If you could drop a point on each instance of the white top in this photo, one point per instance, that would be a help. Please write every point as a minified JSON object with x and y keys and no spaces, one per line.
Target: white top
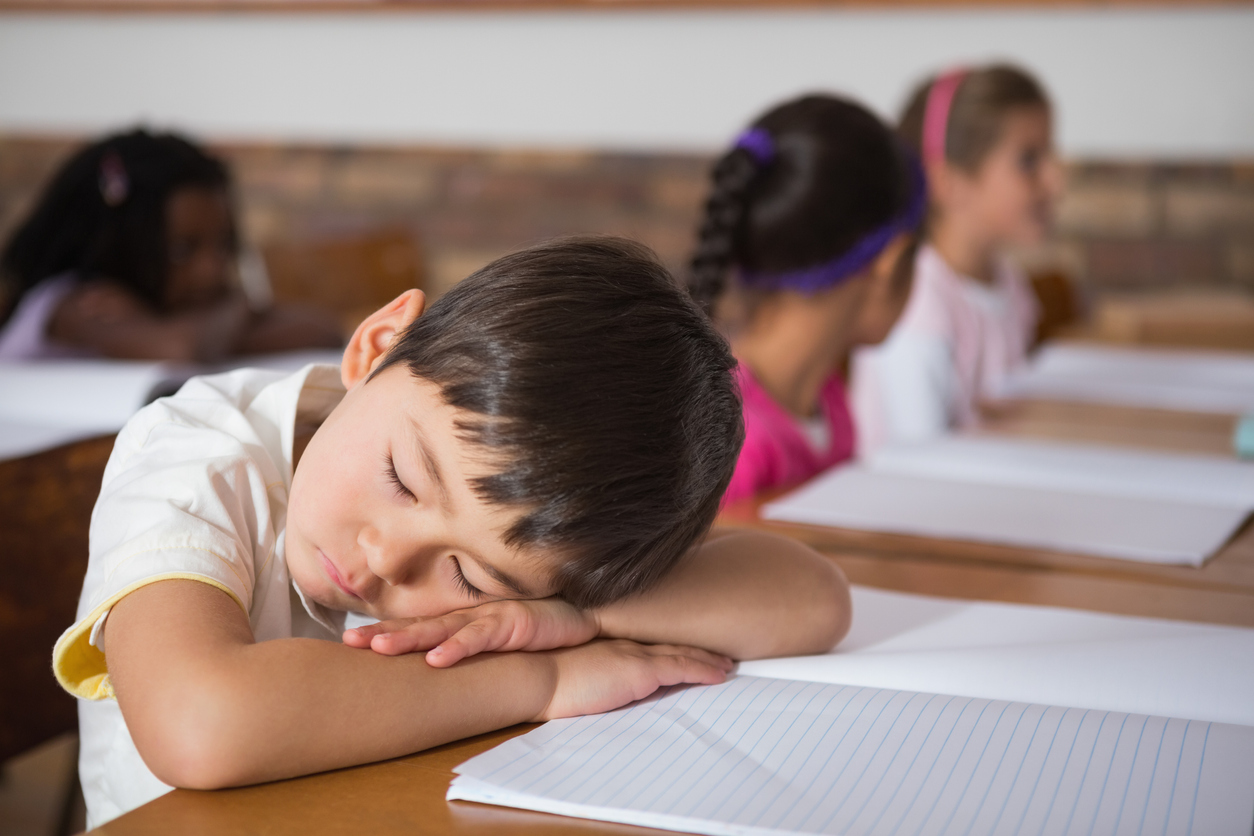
{"x":957,"y":342}
{"x":24,"y":336}
{"x":196,"y":488}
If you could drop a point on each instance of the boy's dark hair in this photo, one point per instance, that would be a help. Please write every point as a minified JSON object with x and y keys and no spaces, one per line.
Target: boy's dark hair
{"x":605,"y":393}
{"x":103,"y":214}
{"x":836,"y":174}
{"x":980,"y":104}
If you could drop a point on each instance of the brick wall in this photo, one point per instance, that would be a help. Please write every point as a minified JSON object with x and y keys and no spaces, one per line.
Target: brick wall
{"x":1121,"y":225}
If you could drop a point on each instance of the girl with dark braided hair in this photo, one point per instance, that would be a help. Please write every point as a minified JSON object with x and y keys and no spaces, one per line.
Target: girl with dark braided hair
{"x":130,"y":252}
{"x":805,"y":252}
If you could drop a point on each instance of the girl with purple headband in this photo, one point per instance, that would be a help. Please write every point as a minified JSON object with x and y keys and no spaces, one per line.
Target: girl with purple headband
{"x":805,"y":252}
{"x":984,"y":138}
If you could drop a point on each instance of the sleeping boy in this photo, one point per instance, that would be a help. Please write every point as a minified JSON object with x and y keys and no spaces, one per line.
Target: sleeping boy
{"x":517,"y":481}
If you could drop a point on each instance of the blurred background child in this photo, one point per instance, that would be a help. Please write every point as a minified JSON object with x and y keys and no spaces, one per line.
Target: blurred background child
{"x":985,"y":138}
{"x":802,"y":254}
{"x":130,"y":252}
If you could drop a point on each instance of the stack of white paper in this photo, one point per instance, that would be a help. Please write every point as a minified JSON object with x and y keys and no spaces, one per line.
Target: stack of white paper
{"x":1190,"y":381}
{"x":1089,"y":499}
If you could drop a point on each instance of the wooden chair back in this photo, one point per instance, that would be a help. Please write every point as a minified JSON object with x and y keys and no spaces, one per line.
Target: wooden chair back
{"x":45,"y":510}
{"x":352,"y":276}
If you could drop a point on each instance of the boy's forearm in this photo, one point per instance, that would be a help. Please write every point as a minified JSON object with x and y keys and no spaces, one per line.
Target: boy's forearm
{"x":328,"y":706}
{"x":747,"y":595}
{"x":209,"y":708}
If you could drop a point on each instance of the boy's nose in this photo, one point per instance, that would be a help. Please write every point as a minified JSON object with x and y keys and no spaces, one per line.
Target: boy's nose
{"x":382,"y":557}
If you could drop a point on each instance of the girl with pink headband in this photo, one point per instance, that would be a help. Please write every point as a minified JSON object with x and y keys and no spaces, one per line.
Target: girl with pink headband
{"x":984,"y":136}
{"x":805,"y":251}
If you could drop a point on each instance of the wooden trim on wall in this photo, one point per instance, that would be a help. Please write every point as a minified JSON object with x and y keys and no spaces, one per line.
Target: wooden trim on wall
{"x":342,"y":6}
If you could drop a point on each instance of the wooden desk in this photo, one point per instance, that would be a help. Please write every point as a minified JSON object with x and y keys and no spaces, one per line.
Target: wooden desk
{"x":406,"y":796}
{"x":402,"y":796}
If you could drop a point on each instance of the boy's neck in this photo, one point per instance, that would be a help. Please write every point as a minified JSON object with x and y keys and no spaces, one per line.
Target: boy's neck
{"x":964,"y":250}
{"x":794,"y":344}
{"x":300,"y":440}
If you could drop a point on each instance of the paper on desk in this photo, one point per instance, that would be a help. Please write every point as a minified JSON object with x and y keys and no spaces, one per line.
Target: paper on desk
{"x":47,"y":403}
{"x":1035,"y":654}
{"x":753,"y":757}
{"x":1190,"y":381}
{"x":1088,"y":499}
{"x":776,"y":756}
{"x":1079,"y":468}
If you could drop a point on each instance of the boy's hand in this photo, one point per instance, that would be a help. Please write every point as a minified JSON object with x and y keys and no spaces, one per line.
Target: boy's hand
{"x":543,"y":624}
{"x":604,"y":675}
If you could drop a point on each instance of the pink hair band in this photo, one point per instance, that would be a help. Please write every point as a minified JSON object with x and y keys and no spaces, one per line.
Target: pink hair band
{"x":936,"y":114}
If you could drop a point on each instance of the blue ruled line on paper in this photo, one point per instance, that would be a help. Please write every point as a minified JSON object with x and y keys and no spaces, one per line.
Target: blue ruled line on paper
{"x":755,"y":756}
{"x":1171,"y":796}
{"x":1200,"y":761}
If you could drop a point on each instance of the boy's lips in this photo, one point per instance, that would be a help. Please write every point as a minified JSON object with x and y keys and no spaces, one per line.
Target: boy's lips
{"x":334,"y":575}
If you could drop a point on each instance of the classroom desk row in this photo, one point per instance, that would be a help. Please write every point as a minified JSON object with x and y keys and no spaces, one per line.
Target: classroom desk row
{"x":406,"y":795}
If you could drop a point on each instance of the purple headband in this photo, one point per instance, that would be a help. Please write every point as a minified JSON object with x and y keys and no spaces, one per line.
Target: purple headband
{"x":857,"y":257}
{"x":759,"y":143}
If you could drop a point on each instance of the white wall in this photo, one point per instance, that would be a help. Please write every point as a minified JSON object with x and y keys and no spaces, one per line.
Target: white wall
{"x":1153,"y":82}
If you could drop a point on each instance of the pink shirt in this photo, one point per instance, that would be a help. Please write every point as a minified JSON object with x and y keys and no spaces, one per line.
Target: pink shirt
{"x":777,"y":452}
{"x":957,"y":342}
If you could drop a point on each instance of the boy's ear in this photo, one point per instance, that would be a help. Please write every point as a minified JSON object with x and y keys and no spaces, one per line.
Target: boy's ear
{"x":375,"y":334}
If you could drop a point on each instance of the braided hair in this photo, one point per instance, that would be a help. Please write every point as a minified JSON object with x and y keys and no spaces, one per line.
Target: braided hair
{"x":103,"y":214}
{"x":836,"y":173}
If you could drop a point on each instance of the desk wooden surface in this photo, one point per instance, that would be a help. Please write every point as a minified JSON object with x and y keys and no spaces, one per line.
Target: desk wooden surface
{"x":406,"y":796}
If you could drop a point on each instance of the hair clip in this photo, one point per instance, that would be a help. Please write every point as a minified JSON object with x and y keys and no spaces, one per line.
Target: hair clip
{"x":759,"y":143}
{"x":114,"y":183}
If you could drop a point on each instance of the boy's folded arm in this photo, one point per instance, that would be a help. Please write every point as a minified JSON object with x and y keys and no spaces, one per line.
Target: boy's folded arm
{"x":208,"y":707}
{"x":745,"y":594}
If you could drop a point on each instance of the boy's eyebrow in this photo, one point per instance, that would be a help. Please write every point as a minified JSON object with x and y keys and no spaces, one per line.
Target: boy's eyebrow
{"x":430,"y":464}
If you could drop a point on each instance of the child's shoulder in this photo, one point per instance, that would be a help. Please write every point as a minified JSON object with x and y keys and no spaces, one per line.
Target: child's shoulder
{"x":244,"y":412}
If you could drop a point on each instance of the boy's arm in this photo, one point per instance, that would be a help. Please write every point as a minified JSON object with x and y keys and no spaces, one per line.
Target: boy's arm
{"x":745,"y":594}
{"x":208,"y":707}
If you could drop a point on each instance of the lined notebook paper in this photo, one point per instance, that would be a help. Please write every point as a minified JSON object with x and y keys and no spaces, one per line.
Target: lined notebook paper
{"x":760,"y":755}
{"x":1083,"y":498}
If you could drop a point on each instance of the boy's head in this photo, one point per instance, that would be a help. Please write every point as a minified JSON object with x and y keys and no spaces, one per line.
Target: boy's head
{"x":580,"y":408}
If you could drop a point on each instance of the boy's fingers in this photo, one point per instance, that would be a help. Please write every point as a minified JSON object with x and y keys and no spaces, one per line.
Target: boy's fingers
{"x":723,"y":663}
{"x":680,"y":667}
{"x":473,"y":638}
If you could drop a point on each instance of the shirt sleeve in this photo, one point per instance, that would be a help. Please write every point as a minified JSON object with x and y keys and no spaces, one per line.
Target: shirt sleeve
{"x":182,"y":498}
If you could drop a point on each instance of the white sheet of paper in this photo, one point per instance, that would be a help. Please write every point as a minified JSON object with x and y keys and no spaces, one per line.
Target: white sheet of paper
{"x":1080,"y":468}
{"x":47,"y":403}
{"x":1149,"y":530}
{"x":1048,"y":655}
{"x":1191,"y":381}
{"x":758,"y":755}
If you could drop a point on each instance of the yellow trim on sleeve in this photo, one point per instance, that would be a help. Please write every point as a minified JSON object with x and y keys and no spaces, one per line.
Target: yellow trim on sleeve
{"x":80,"y":666}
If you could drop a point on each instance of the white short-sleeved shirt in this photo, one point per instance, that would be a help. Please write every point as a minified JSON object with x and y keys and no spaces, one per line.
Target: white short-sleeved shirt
{"x":957,"y":342}
{"x":196,"y":488}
